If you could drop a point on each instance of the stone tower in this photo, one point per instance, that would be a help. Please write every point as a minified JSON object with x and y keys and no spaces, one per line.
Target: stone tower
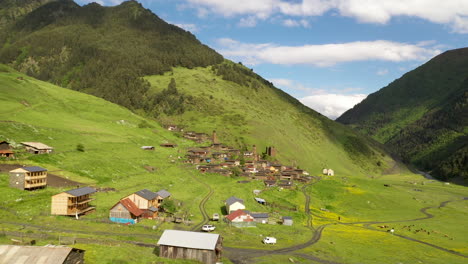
{"x":271,"y":151}
{"x":215,"y":137}
{"x":254,"y":151}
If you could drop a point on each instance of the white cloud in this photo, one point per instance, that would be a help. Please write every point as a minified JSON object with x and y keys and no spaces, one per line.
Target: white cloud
{"x":324,"y":55}
{"x":382,"y":72}
{"x":189,"y":27}
{"x":249,"y":21}
{"x":296,"y":23}
{"x":449,"y":12}
{"x":332,"y":105}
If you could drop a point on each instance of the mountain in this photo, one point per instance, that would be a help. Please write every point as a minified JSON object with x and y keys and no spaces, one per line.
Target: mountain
{"x":11,"y":10}
{"x":127,"y":55}
{"x":422,"y":116}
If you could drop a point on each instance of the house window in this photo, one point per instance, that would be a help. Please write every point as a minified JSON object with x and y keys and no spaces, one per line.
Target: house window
{"x":17,"y":183}
{"x":17,"y":174}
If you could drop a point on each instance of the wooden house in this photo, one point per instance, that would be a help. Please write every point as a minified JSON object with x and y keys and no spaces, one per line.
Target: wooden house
{"x":233,"y":204}
{"x":4,"y":145}
{"x":73,"y":203}
{"x":144,"y":199}
{"x":5,"y":150}
{"x":219,"y":155}
{"x":49,"y":254}
{"x":200,"y":152}
{"x":285,"y":184}
{"x":162,"y":194}
{"x":287,"y":220}
{"x":203,"y":247}
{"x":37,"y":147}
{"x":240,"y":218}
{"x":269,"y":183}
{"x":125,"y":211}
{"x":28,"y":178}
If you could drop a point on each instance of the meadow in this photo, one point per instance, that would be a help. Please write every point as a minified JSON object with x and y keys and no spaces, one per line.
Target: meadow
{"x":347,"y":208}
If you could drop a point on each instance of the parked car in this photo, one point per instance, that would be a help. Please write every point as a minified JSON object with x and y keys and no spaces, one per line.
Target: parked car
{"x":215,"y":217}
{"x":208,"y":228}
{"x":269,"y":240}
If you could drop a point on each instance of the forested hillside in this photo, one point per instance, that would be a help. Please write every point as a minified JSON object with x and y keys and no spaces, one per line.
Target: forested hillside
{"x":100,"y":50}
{"x":423,"y":116}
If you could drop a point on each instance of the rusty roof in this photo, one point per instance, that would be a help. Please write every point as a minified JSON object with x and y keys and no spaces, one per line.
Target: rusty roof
{"x":131,"y":207}
{"x":236,"y":214}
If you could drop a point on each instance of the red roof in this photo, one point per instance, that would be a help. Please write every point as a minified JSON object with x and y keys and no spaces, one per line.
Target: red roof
{"x":131,"y":207}
{"x":236,"y":214}
{"x":6,"y":151}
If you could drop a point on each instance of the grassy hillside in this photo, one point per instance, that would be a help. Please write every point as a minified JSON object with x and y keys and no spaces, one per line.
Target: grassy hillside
{"x":257,"y":113}
{"x":112,"y":136}
{"x":422,"y":116}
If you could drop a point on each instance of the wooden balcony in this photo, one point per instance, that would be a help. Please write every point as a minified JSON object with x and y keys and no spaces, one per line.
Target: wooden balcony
{"x":70,"y":202}
{"x":34,"y":185}
{"x":86,"y":210}
{"x":28,"y":178}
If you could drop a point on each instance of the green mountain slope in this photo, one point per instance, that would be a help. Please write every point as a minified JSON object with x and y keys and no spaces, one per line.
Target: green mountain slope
{"x":105,"y":51}
{"x":423,"y":115}
{"x":251,"y":111}
{"x":112,"y":160}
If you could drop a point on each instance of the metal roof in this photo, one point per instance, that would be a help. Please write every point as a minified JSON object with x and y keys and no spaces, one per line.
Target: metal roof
{"x":287,"y":218}
{"x":233,"y":199}
{"x":32,"y":254}
{"x":260,"y":200}
{"x":37,"y":145}
{"x":153,"y":209}
{"x":163,"y":194}
{"x":131,"y":207}
{"x":34,"y":169}
{"x":259,"y":215}
{"x":81,"y":191}
{"x":147,"y":194}
{"x":187,"y":239}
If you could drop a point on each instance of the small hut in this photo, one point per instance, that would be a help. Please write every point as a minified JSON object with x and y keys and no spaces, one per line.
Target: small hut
{"x":287,"y":220}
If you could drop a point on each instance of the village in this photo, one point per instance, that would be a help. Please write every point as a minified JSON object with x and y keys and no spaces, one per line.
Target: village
{"x":215,"y":158}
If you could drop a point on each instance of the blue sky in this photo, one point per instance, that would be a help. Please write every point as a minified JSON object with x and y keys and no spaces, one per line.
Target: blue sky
{"x":330,"y":54}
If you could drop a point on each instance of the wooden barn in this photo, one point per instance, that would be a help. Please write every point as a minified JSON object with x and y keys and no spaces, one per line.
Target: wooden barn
{"x":144,"y":199}
{"x":37,"y":147}
{"x":28,"y":178}
{"x":46,"y":255}
{"x":125,"y":211}
{"x":73,"y":203}
{"x":203,"y":247}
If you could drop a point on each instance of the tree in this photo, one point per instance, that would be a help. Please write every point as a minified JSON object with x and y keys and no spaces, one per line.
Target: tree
{"x":169,"y":206}
{"x":80,"y":147}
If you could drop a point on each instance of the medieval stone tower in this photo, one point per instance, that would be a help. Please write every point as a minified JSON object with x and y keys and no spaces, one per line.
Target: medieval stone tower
{"x":215,"y":137}
{"x":271,"y":151}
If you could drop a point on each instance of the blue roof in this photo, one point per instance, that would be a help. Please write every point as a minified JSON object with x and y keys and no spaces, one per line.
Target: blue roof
{"x":34,"y":169}
{"x":81,"y":191}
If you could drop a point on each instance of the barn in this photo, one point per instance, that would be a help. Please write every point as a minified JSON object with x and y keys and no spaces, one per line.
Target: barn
{"x":203,"y":247}
{"x":125,"y":211}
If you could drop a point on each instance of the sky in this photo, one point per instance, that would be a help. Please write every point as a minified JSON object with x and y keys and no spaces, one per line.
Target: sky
{"x":329,"y":54}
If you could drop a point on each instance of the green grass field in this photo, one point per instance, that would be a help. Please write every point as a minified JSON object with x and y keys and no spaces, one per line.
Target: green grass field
{"x":112,"y":137}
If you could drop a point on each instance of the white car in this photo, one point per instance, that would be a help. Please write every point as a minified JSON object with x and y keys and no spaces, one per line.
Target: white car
{"x":269,"y":240}
{"x":208,"y":228}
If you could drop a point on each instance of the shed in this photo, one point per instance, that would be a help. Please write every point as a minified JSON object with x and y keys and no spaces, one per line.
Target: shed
{"x":204,"y":247}
{"x":260,"y":217}
{"x":147,"y":147}
{"x":37,"y":147}
{"x":163,"y":194}
{"x":260,"y":200}
{"x":28,"y":178}
{"x":6,"y":153}
{"x":125,"y":211}
{"x":45,"y":255}
{"x":73,"y":202}
{"x":4,"y":145}
{"x":287,"y":220}
{"x":240,"y":218}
